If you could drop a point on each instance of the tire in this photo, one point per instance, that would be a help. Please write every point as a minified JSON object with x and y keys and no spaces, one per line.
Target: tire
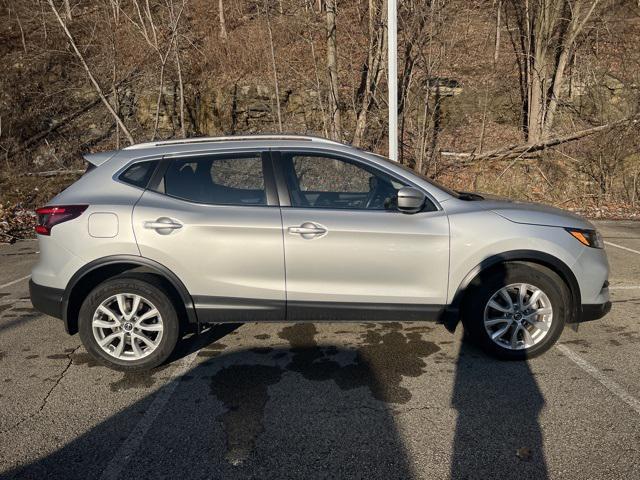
{"x":487,"y":312}
{"x":148,"y":339}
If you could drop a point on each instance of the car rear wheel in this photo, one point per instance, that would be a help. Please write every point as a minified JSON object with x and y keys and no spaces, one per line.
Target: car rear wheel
{"x":128,"y":324}
{"x":517,"y":311}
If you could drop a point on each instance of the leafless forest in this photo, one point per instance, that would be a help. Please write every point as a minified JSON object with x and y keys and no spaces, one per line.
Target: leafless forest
{"x":532,"y":99}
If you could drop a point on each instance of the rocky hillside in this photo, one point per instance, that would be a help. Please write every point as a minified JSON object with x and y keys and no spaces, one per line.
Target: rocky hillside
{"x":87,"y":77}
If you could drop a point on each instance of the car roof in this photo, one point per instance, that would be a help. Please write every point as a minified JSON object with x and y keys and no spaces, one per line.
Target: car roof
{"x":265,"y":139}
{"x":202,"y":145}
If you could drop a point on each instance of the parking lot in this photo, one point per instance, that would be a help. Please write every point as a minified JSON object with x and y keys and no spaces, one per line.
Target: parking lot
{"x":356,"y":400}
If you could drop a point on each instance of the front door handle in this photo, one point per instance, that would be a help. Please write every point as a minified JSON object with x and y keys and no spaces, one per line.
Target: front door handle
{"x":308,"y":230}
{"x":163,"y":225}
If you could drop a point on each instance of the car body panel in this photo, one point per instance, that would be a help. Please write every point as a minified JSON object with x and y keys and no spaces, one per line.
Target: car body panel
{"x":237,"y":262}
{"x":367,"y":257}
{"x":228,"y":252}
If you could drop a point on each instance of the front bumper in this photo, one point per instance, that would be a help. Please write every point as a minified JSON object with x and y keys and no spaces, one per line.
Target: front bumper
{"x":594,"y":311}
{"x":46,"y":299}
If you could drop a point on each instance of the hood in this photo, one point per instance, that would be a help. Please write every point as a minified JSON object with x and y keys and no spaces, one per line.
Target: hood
{"x":533,"y":213}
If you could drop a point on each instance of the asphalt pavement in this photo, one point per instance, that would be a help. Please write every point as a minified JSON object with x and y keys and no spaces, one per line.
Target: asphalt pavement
{"x":325,"y":400}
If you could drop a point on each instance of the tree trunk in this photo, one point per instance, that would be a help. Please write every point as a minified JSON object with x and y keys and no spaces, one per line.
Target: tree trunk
{"x":372,"y":70}
{"x":93,"y":81}
{"x":548,"y":34}
{"x":223,"y":25}
{"x":273,"y":66}
{"x":67,"y":9}
{"x":332,"y":66}
{"x":496,"y":51}
{"x":183,"y":127}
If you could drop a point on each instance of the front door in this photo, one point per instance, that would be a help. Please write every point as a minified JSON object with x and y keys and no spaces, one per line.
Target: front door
{"x":349,"y":253}
{"x":214,"y":222}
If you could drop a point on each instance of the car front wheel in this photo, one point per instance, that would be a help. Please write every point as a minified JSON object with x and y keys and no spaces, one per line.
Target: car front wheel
{"x":518,"y":311}
{"x":128,"y":324}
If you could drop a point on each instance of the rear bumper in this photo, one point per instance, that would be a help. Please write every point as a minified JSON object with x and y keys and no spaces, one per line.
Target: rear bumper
{"x":593,"y":311}
{"x":46,"y":299}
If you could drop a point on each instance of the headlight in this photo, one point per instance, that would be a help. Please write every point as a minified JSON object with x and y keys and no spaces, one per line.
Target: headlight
{"x":590,"y":238}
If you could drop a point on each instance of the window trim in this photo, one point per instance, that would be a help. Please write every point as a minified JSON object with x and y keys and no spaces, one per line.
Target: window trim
{"x":157,"y":181}
{"x":285,"y":195}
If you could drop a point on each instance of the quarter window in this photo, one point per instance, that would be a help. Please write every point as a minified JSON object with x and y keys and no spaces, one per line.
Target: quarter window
{"x":139,"y":174}
{"x":317,"y":181}
{"x":217,"y":180}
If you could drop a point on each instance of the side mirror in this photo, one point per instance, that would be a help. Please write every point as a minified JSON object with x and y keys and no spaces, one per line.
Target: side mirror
{"x":410,"y":200}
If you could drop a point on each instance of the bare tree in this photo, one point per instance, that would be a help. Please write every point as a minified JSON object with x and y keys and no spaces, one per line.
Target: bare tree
{"x":273,"y":65}
{"x":67,"y":9}
{"x":92,"y":79}
{"x":372,"y":70}
{"x":547,"y":35}
{"x":176,"y":36}
{"x":223,"y":24}
{"x":150,"y":32}
{"x":332,"y":67}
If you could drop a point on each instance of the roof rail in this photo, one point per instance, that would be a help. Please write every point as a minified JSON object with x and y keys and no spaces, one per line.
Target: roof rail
{"x":189,"y":141}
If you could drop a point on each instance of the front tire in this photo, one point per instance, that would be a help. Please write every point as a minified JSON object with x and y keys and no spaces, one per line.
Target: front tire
{"x":517,"y":310}
{"x":129,"y":324}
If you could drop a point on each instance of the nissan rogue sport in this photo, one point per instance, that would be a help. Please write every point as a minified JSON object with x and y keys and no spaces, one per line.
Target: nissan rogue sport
{"x":161,"y":236}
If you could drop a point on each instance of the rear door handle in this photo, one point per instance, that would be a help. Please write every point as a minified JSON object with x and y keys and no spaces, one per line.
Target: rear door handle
{"x":308,"y":230}
{"x":163,"y":225}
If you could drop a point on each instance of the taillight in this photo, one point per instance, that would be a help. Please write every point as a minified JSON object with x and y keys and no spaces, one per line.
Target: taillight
{"x":48,"y":217}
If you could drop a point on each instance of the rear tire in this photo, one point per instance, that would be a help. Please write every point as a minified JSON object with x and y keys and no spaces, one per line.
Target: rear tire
{"x":517,"y":310}
{"x":129,"y":324}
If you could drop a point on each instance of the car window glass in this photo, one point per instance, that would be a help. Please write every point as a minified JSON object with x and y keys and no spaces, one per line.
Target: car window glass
{"x":139,"y":174}
{"x":217,"y":180}
{"x":317,"y":181}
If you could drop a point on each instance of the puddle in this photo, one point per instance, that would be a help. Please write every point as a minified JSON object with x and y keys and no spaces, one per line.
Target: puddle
{"x":58,"y":356}
{"x":83,"y":358}
{"x":243,"y":391}
{"x":380,"y":361}
{"x":579,"y":342}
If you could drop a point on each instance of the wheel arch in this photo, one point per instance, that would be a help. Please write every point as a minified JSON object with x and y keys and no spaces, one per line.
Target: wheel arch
{"x":451,"y":317}
{"x":99,"y":270}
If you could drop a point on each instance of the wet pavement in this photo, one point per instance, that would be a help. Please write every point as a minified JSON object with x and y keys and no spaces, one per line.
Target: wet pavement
{"x":324,"y":400}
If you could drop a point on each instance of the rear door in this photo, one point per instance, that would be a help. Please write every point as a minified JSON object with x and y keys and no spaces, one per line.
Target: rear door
{"x":349,"y":253}
{"x":214,"y":221}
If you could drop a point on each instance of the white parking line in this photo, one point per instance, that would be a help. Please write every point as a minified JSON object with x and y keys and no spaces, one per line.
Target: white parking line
{"x":129,"y":447}
{"x":621,"y":247}
{"x":624,"y":287}
{"x":609,"y":384}
{"x":14,"y":281}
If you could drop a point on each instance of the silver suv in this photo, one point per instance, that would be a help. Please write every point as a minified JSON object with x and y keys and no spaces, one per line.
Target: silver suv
{"x":164,"y":236}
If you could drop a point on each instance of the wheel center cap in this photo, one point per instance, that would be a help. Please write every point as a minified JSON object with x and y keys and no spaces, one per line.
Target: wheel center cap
{"x":517,"y":317}
{"x":128,"y":326}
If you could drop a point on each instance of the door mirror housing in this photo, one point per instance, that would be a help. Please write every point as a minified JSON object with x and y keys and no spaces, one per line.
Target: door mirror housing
{"x":410,"y":200}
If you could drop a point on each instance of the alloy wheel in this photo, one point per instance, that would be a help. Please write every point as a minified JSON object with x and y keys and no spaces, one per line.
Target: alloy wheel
{"x":127,"y":326}
{"x":518,"y":316}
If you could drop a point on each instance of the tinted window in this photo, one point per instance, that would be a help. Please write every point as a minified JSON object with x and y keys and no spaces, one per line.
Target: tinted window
{"x":139,"y":174}
{"x":327,"y":182}
{"x":216,"y":180}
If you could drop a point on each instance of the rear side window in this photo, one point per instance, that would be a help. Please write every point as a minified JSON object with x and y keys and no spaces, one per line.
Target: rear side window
{"x":139,"y":174}
{"x":217,"y":180}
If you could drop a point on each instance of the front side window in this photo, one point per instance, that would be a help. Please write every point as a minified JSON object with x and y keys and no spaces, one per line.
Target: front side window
{"x":319,"y":181}
{"x":217,"y":180}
